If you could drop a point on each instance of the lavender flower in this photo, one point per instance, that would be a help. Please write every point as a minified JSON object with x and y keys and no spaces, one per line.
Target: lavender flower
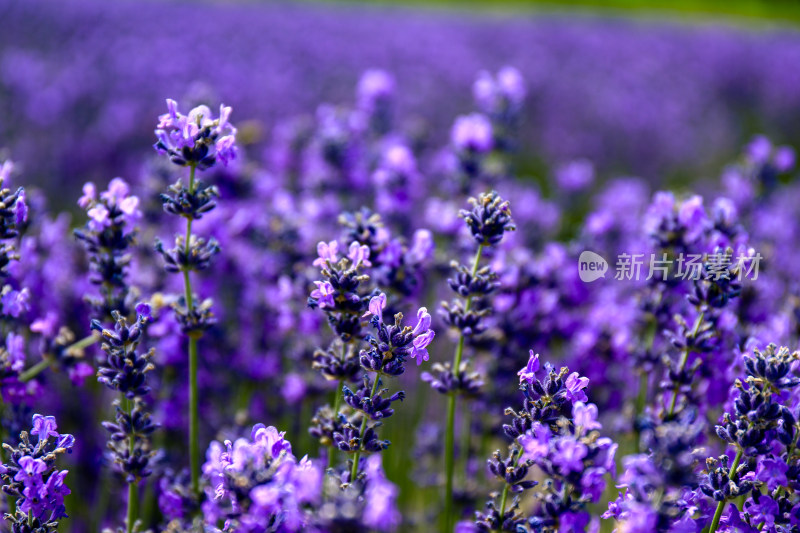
{"x":386,"y":355}
{"x":558,"y":433}
{"x":472,"y":139}
{"x":108,"y":237}
{"x":472,"y":133}
{"x":125,"y":370}
{"x":759,"y":427}
{"x":374,"y":96}
{"x":488,"y":221}
{"x":501,"y":98}
{"x":197,"y":139}
{"x":14,"y":300}
{"x":368,"y":504}
{"x":31,"y":476}
{"x":256,"y":481}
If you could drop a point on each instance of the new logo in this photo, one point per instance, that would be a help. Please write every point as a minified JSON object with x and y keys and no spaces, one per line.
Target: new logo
{"x":591,"y":266}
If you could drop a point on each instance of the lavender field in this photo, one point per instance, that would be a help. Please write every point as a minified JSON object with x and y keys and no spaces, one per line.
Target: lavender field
{"x":335,"y":268}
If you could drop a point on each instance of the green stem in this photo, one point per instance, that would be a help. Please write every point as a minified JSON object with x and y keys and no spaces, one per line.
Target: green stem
{"x":449,"y":440}
{"x":721,"y":505}
{"x":504,"y":497}
{"x":132,"y":497}
{"x":12,"y":505}
{"x":354,"y":469}
{"x":641,"y":398}
{"x":465,"y":442}
{"x":35,"y":370}
{"x":45,"y":363}
{"x":682,"y":364}
{"x":194,"y":417}
{"x":133,"y":494}
{"x":449,"y":461}
{"x":83,"y":343}
{"x":337,"y":401}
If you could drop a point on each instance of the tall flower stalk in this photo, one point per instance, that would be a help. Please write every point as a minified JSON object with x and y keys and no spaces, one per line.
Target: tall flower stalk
{"x":488,"y":220}
{"x":107,"y":238}
{"x":13,"y":215}
{"x":762,"y":431}
{"x":198,"y":141}
{"x":125,"y":371}
{"x":343,"y":296}
{"x":556,"y":431}
{"x":385,"y":356}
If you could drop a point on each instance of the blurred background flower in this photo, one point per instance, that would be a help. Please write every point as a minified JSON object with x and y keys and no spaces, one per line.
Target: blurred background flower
{"x":635,"y":90}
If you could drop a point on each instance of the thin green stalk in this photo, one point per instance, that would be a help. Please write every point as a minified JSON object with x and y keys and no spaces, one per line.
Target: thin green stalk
{"x":641,"y":397}
{"x":449,"y":461}
{"x":354,"y":469}
{"x":337,"y":401}
{"x":682,"y":364}
{"x":194,"y":416}
{"x":465,"y":442}
{"x":449,"y":440}
{"x":35,"y":370}
{"x":721,"y":505}
{"x":45,"y":363}
{"x":83,"y":343}
{"x":133,"y":495}
{"x":12,"y":505}
{"x":504,"y":497}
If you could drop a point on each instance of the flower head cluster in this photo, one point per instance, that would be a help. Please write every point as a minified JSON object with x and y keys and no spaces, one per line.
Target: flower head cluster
{"x":654,"y":483}
{"x":487,"y":222}
{"x":444,"y":381}
{"x":13,"y":299}
{"x":13,"y":216}
{"x":31,"y":476}
{"x":396,"y":180}
{"x":386,"y":355}
{"x":13,"y":209}
{"x":341,"y":295}
{"x":369,"y":504}
{"x":187,"y":202}
{"x":501,"y":98}
{"x":392,"y":344}
{"x":256,"y":484}
{"x":107,"y":238}
{"x":763,"y":164}
{"x":560,"y":437}
{"x":374,"y":96}
{"x":763,"y":430}
{"x":472,"y":139}
{"x":719,"y":283}
{"x":758,"y":409}
{"x":125,"y":370}
{"x":394,"y":264}
{"x":549,"y":397}
{"x":344,"y":297}
{"x":489,"y":219}
{"x":499,"y":94}
{"x":197,"y":139}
